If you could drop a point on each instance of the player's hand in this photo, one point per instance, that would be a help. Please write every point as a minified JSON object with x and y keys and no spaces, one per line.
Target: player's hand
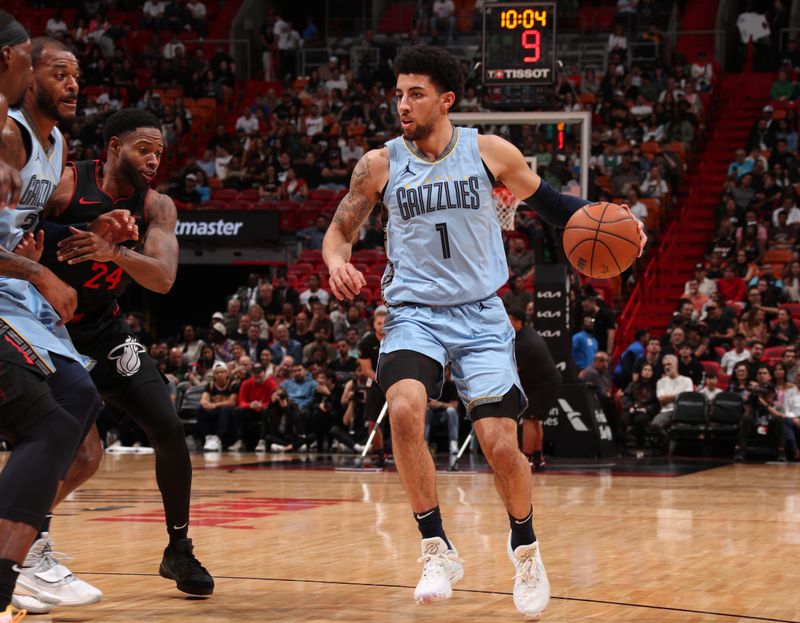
{"x":346,"y":282}
{"x":62,"y":297}
{"x":115,"y":226}
{"x":640,"y":225}
{"x":30,"y":246}
{"x":10,"y":186}
{"x":85,"y":245}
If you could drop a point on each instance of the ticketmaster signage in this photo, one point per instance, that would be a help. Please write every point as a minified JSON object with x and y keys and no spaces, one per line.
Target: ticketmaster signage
{"x":228,"y":228}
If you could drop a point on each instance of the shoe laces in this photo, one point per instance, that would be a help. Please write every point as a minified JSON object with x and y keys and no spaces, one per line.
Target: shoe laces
{"x":189,"y":561}
{"x":50,"y":558}
{"x":435,"y":562}
{"x":528,"y":571}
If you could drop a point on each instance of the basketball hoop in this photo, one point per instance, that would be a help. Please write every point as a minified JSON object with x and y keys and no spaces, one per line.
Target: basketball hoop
{"x":506,"y":205}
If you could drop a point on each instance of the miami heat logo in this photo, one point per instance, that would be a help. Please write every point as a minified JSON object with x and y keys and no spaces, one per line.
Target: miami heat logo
{"x":127,"y":356}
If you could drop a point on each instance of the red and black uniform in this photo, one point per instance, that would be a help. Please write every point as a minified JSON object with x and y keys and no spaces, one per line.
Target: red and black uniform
{"x":96,"y":328}
{"x":126,"y":377}
{"x":99,"y":284}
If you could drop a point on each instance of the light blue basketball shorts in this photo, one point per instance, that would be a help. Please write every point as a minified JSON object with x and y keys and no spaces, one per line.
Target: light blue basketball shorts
{"x":476,"y":338}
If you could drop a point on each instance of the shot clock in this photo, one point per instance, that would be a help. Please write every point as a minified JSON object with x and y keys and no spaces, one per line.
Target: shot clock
{"x":519,"y":43}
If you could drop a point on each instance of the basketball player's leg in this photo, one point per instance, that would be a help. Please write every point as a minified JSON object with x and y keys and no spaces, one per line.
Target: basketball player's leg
{"x":541,"y":398}
{"x":496,"y":428}
{"x":83,"y":467}
{"x":531,"y":436}
{"x":542,"y":386}
{"x":486,"y":376}
{"x":410,"y":370}
{"x":372,"y":409}
{"x":408,"y":401}
{"x":44,"y":438}
{"x":73,"y":390}
{"x":139,"y":390}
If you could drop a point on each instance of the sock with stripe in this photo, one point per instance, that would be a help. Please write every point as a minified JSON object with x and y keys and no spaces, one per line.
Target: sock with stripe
{"x":430,"y":524}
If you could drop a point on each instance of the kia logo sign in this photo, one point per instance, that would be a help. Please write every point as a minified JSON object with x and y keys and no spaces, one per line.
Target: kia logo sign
{"x":548,"y":314}
{"x":548,"y":294}
{"x":234,"y":228}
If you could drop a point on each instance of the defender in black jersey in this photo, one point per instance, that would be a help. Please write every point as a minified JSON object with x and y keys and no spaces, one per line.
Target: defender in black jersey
{"x":541,"y":381}
{"x":127,"y":379}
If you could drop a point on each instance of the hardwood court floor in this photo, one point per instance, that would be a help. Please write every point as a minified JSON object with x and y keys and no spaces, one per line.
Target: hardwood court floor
{"x":720,"y":545}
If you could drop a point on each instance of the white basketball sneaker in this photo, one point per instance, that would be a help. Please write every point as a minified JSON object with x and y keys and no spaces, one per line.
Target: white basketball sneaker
{"x":531,"y":586}
{"x":51,"y":582}
{"x":22,"y":599}
{"x":213,"y":444}
{"x":440,"y":570}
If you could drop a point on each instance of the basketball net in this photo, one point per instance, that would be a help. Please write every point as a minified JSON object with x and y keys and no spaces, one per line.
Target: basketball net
{"x":506,"y":205}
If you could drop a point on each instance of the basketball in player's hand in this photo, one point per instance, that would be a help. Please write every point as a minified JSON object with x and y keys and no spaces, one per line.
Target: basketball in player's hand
{"x":601,"y":240}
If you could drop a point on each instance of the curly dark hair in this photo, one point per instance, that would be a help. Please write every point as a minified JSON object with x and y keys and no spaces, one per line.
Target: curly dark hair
{"x":438,"y":64}
{"x":128,"y":120}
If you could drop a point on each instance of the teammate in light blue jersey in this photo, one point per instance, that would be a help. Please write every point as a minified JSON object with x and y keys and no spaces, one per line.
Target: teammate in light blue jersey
{"x":34,"y":303}
{"x":445,"y":262}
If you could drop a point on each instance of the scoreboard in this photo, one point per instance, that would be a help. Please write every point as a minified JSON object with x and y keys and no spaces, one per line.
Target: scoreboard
{"x":519,"y":41}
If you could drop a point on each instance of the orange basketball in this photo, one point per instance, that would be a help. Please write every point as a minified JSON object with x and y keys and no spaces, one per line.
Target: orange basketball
{"x":601,"y":240}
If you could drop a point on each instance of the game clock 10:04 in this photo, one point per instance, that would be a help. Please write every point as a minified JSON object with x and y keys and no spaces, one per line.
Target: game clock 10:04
{"x":519,"y":43}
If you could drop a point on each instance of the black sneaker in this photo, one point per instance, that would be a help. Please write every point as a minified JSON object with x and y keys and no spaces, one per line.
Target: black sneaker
{"x":179,"y":564}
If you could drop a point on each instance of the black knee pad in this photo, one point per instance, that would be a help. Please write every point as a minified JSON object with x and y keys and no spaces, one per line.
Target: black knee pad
{"x":509,"y":407}
{"x":408,"y":364}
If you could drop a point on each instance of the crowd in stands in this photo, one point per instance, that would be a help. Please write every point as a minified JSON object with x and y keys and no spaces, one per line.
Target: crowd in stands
{"x":736,"y":327}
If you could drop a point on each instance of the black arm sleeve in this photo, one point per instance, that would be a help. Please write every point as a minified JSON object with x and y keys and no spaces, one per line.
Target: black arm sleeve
{"x":555,"y":208}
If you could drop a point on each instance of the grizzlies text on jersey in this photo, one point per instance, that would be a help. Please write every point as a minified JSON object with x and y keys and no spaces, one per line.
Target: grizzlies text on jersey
{"x":444,"y":242}
{"x":22,"y":307}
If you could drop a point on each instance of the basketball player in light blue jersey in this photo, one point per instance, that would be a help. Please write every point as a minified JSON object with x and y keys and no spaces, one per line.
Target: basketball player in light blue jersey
{"x":445,"y":263}
{"x":34,"y":303}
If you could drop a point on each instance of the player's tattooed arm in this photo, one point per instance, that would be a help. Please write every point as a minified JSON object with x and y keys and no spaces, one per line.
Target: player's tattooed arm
{"x":369,"y":177}
{"x":362,"y":196}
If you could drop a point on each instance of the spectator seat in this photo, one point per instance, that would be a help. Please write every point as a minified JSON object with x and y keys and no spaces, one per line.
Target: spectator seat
{"x":711,"y":366}
{"x":724,"y":416}
{"x":265,"y":206}
{"x":774,"y":353}
{"x":224,"y":194}
{"x":311,"y":256}
{"x":690,"y":418}
{"x":249,"y":194}
{"x":299,"y":268}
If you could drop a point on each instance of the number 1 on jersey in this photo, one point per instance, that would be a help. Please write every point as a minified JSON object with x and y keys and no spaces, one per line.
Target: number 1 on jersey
{"x":442,"y":229}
